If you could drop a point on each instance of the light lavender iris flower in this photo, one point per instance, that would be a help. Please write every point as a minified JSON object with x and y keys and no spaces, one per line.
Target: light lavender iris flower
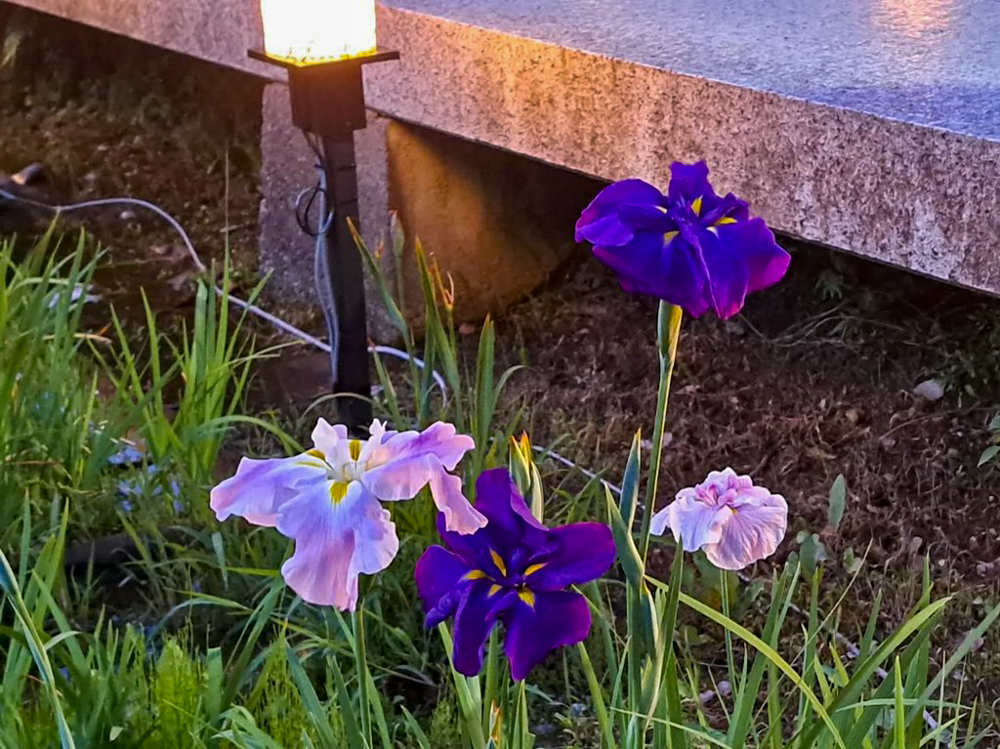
{"x":734,"y":522}
{"x":329,"y":501}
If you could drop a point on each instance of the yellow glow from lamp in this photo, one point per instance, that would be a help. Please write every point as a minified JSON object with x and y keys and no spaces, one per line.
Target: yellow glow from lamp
{"x":308,"y":31}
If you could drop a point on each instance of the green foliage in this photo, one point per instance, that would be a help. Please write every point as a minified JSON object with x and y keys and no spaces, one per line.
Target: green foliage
{"x":275,"y":700}
{"x":211,"y":363}
{"x":48,"y":402}
{"x":467,"y":392}
{"x":444,"y":723}
{"x":178,"y":686}
{"x":212,"y":651}
{"x":992,"y":453}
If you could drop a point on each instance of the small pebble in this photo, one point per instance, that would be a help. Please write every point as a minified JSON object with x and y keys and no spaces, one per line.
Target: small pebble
{"x":931,"y":390}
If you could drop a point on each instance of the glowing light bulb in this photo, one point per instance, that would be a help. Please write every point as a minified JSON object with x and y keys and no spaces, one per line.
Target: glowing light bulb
{"x":307,"y":31}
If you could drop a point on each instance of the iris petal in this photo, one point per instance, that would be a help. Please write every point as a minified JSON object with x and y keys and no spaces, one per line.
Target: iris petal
{"x":332,"y":440}
{"x":474,"y":620}
{"x":334,"y":543}
{"x":459,"y":516}
{"x":555,"y":620}
{"x":439,"y":574}
{"x":407,"y":462}
{"x":766,"y":262}
{"x":514,"y":567}
{"x":691,"y":247}
{"x":688,"y":182}
{"x":600,"y":223}
{"x":510,"y":524}
{"x":664,"y":269}
{"x":752,"y":533}
{"x":727,"y":271}
{"x":502,"y":503}
{"x":605,"y":230}
{"x":439,"y":439}
{"x":260,"y":488}
{"x":584,"y":552}
{"x":692,"y":520}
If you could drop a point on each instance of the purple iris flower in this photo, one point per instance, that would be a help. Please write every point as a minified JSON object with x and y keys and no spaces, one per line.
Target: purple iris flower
{"x":515,"y":571}
{"x":689,"y":247}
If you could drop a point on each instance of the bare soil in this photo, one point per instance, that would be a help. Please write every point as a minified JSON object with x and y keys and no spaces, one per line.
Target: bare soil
{"x":108,"y":117}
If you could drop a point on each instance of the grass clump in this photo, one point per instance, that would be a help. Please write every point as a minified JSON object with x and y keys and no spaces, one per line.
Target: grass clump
{"x":193,"y":640}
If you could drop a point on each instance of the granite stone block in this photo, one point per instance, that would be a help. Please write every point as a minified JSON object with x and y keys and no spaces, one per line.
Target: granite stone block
{"x":220,"y":31}
{"x":288,"y":166}
{"x":904,"y":193}
{"x":493,"y":222}
{"x":872,"y":126}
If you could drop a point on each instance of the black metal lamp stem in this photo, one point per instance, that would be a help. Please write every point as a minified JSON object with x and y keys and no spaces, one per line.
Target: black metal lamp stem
{"x":328,"y":101}
{"x":352,"y":378}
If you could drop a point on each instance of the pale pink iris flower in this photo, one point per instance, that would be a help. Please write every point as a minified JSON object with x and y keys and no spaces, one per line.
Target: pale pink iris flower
{"x":329,"y":501}
{"x":734,"y":522}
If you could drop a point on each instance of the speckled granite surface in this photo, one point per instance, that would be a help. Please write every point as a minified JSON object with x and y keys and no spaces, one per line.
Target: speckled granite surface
{"x":868,"y":125}
{"x":836,"y":153}
{"x":219,"y":31}
{"x":932,"y":62}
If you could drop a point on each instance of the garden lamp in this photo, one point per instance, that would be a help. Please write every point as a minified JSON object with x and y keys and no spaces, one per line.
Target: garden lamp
{"x":324,"y":44}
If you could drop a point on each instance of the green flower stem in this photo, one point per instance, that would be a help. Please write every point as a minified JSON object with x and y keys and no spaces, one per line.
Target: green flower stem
{"x":668,"y":333}
{"x":725,"y":576}
{"x":492,"y":679}
{"x":361,"y":665}
{"x":636,"y":649}
{"x":522,"y":733}
{"x":597,"y":695}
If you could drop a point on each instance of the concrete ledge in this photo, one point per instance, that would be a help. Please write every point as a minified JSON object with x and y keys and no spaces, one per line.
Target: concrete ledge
{"x":492,"y":221}
{"x":863,"y":126}
{"x":220,"y":31}
{"x":907,"y":194}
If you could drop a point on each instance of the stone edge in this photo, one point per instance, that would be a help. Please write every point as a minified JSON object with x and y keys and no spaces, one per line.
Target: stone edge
{"x":908,"y":195}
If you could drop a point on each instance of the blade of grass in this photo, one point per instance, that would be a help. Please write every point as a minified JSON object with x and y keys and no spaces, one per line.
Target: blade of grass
{"x":10,"y":587}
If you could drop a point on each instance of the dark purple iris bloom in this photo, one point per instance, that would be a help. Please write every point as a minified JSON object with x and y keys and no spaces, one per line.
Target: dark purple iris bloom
{"x":689,"y":247}
{"x":514,"y":570}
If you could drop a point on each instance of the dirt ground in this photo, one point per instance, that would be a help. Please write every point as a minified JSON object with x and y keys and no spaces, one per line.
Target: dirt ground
{"x":107,"y":117}
{"x":815,"y":379}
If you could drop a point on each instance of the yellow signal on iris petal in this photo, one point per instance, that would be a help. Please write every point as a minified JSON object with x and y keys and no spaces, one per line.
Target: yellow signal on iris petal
{"x":696,"y":206}
{"x":474,"y":575}
{"x":494,"y":589}
{"x":355,"y":449}
{"x":725,"y":220}
{"x":314,"y":453}
{"x":534,"y":568}
{"x":338,"y":491}
{"x":527,"y":596}
{"x":498,"y":561}
{"x":669,"y":236}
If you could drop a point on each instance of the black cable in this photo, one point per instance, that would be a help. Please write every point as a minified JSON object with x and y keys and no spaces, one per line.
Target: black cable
{"x":306,"y":200}
{"x":304,"y":204}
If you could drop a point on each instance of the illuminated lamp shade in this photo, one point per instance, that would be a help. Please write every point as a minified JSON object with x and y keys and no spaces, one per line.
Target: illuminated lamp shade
{"x":311,"y":31}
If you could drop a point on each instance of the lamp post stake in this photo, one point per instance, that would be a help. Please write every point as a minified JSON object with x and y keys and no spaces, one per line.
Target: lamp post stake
{"x":328,"y":101}
{"x":343,"y":260}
